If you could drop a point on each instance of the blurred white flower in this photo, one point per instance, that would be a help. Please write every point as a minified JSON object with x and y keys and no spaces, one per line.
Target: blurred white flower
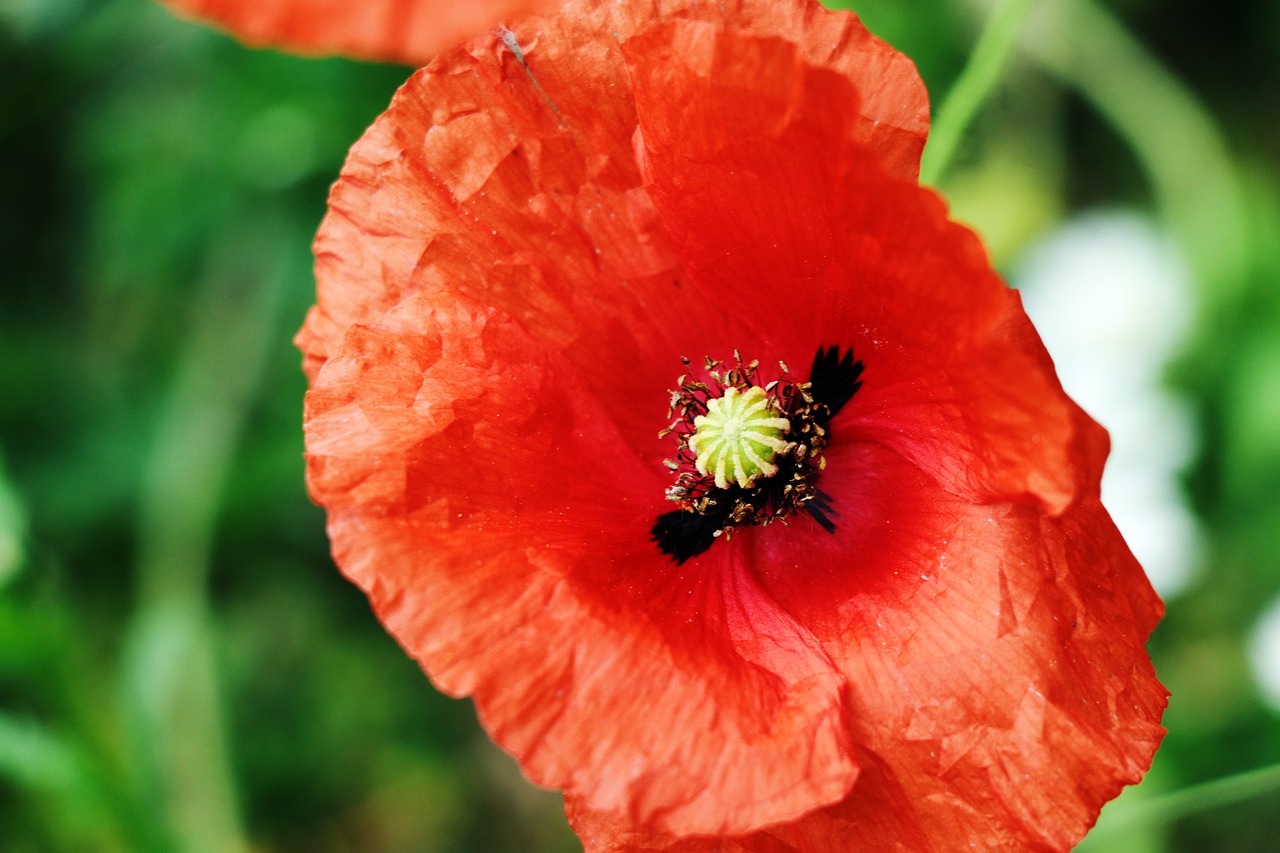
{"x":1113,"y":301}
{"x":1264,"y":654}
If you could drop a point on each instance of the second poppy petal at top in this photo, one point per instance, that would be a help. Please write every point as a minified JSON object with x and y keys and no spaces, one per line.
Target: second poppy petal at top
{"x":407,"y":31}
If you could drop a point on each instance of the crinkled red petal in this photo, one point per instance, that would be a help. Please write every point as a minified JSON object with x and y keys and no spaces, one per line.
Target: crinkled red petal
{"x":489,"y":162}
{"x":999,"y":685}
{"x":408,"y":31}
{"x":499,"y":523}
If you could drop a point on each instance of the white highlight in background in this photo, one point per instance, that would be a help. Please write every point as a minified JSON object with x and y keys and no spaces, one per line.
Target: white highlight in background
{"x":1264,"y":654}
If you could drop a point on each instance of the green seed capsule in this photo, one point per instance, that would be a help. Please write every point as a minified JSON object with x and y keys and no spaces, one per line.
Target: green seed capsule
{"x":738,"y":438}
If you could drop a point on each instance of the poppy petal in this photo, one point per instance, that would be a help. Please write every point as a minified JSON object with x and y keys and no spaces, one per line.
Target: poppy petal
{"x":515,"y":159}
{"x":472,"y":494}
{"x":488,"y":166}
{"x":996,"y":662}
{"x":407,"y":31}
{"x":995,"y":705}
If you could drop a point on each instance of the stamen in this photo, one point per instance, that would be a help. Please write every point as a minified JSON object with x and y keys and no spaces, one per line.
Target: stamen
{"x":750,"y":455}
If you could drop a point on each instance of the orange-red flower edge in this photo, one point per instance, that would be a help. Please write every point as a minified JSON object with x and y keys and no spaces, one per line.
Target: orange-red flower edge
{"x":407,"y":31}
{"x":515,"y":257}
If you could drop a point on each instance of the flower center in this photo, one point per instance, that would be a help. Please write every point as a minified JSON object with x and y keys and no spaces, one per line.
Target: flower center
{"x":738,"y":438}
{"x":750,"y":454}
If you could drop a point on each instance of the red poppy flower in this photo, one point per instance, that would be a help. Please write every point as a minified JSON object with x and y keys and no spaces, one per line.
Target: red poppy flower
{"x":939,"y":643}
{"x":408,"y":31}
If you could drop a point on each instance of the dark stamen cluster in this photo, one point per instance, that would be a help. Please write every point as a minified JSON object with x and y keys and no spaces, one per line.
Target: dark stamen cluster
{"x":707,"y":512}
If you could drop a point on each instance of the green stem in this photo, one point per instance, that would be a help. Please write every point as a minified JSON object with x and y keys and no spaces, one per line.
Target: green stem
{"x":1175,"y":138}
{"x":1197,"y":798}
{"x":972,"y":87}
{"x":170,"y":670}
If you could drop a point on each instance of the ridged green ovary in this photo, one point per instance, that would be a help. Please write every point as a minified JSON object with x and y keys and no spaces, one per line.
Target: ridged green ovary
{"x":738,"y":438}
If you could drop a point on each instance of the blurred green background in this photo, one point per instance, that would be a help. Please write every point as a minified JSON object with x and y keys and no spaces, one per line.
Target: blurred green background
{"x":182,"y":668}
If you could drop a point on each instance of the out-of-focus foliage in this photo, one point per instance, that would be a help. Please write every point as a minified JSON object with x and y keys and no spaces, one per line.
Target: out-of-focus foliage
{"x":182,"y":668}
